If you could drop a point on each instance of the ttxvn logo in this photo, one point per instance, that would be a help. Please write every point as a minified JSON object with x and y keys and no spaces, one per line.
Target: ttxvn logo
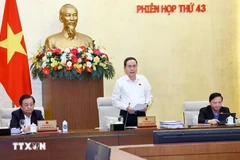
{"x":29,"y":145}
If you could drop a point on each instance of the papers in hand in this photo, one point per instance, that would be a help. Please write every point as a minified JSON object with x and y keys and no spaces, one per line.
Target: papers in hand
{"x":139,"y":107}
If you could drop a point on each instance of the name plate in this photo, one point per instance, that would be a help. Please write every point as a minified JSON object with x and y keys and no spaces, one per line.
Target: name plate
{"x":148,"y":121}
{"x":47,"y":125}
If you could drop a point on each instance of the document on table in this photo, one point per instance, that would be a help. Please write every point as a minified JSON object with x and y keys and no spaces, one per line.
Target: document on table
{"x":139,"y":107}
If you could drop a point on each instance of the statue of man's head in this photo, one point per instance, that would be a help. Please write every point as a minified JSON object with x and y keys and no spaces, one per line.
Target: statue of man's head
{"x":68,"y":15}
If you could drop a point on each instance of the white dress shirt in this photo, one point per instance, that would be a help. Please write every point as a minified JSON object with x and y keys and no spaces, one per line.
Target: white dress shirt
{"x":128,"y":92}
{"x":27,"y":120}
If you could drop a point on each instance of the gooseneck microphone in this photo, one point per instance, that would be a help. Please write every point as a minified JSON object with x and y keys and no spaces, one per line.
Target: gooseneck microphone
{"x":126,"y":117}
{"x":126,"y":120}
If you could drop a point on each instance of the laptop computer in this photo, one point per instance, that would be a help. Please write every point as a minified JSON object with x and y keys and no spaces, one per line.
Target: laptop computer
{"x":223,"y":116}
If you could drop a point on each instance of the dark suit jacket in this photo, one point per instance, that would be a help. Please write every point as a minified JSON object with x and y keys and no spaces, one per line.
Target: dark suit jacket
{"x":206,"y":113}
{"x":18,"y":114}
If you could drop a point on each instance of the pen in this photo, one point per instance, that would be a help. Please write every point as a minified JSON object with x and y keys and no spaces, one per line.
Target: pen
{"x":128,"y":106}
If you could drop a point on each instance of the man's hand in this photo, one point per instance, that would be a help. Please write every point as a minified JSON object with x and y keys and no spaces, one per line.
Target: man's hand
{"x":26,"y":129}
{"x":130,"y":110}
{"x":212,"y":121}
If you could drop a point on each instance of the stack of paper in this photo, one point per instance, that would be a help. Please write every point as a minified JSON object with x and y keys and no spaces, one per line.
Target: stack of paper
{"x":171,"y":124}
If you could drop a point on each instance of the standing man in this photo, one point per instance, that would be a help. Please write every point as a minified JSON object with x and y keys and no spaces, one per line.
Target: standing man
{"x":130,"y":90}
{"x":69,"y":37}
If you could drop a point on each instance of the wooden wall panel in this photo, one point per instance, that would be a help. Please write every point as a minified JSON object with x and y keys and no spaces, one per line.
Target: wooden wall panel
{"x":72,"y":100}
{"x":139,"y":136}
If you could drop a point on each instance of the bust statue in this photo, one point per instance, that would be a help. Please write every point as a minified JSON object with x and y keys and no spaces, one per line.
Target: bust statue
{"x":68,"y":15}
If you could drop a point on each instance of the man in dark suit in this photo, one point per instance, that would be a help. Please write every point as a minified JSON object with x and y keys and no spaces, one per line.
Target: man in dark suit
{"x":211,"y":113}
{"x":26,"y":112}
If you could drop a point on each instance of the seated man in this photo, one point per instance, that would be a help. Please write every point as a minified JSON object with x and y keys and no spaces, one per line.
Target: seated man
{"x":211,"y":113}
{"x":26,"y":112}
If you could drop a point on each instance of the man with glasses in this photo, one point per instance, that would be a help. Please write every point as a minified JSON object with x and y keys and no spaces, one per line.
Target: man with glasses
{"x":26,"y":112}
{"x":130,"y":90}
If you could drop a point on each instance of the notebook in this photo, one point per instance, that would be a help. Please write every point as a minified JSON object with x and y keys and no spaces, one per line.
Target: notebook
{"x":223,"y":116}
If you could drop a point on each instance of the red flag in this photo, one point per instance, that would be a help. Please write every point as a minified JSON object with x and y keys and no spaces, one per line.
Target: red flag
{"x":14,"y":70}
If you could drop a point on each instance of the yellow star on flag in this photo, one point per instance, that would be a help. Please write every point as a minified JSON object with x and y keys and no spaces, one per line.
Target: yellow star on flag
{"x":12,"y":43}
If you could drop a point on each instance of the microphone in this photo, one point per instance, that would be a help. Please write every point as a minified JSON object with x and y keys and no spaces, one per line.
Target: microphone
{"x":126,"y":120}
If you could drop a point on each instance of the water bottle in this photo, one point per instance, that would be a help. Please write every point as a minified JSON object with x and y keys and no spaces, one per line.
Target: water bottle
{"x":64,"y":126}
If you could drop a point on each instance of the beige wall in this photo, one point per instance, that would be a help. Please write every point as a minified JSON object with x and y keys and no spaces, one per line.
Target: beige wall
{"x":237,"y":52}
{"x":184,"y":56}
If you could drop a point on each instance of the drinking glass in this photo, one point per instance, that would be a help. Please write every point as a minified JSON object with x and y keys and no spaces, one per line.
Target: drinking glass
{"x":120,"y":119}
{"x":22,"y":123}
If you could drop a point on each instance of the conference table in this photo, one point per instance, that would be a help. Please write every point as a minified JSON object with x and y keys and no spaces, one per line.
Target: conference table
{"x":72,"y":145}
